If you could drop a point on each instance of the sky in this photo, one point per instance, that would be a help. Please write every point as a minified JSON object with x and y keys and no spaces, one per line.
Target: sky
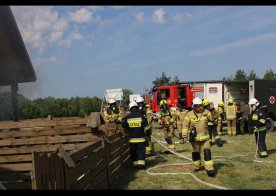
{"x":84,"y":50}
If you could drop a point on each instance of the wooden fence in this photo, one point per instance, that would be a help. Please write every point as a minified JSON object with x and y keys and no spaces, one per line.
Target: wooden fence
{"x":22,"y":142}
{"x":94,"y":167}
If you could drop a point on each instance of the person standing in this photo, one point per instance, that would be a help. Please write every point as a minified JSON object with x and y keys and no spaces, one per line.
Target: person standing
{"x":257,"y":123}
{"x":245,"y":111}
{"x":167,"y":118}
{"x":196,"y":124}
{"x":231,"y":117}
{"x":220,"y":111}
{"x":135,"y":124}
{"x":212,"y":125}
{"x":147,"y":112}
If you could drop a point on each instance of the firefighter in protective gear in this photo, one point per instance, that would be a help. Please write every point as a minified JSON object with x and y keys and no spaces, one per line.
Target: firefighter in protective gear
{"x":245,"y":112}
{"x":112,"y":113}
{"x":135,"y":124}
{"x":231,"y":117}
{"x":196,"y":121}
{"x":212,"y":125}
{"x":147,"y":112}
{"x":180,"y":115}
{"x":221,"y":114}
{"x":257,"y":123}
{"x":167,"y":118}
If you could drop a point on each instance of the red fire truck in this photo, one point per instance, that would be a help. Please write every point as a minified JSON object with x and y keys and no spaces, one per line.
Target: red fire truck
{"x":174,"y":94}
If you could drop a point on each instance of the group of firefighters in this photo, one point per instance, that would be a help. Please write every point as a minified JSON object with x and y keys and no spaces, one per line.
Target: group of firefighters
{"x":197,"y":127}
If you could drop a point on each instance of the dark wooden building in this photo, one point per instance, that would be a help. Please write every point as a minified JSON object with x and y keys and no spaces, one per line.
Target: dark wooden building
{"x":15,"y":63}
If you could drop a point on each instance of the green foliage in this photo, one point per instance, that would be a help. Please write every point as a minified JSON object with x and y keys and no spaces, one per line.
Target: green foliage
{"x":163,"y":80}
{"x":240,"y":75}
{"x":175,"y":80}
{"x":42,"y":107}
{"x":269,"y":75}
{"x":126,"y":93}
{"x":252,"y":75}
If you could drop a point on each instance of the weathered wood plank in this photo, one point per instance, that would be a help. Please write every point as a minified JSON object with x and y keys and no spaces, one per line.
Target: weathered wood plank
{"x":117,"y":153}
{"x":68,"y":160}
{"x":115,"y":164}
{"x":18,"y":186}
{"x":36,"y":171}
{"x":12,"y":176}
{"x":88,"y":177}
{"x":97,"y":180}
{"x":103,"y":185}
{"x":58,"y":169}
{"x":45,"y":171}
{"x":45,"y":132}
{"x":47,"y":140}
{"x":15,"y":158}
{"x":46,"y":123}
{"x":87,"y":150}
{"x":42,"y":148}
{"x":84,"y":165}
{"x":52,"y":174}
{"x":16,"y":167}
{"x":114,"y":136}
{"x":114,"y":146}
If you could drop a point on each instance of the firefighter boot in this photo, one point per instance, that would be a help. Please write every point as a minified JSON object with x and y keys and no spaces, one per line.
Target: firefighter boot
{"x":210,"y":173}
{"x":219,"y":142}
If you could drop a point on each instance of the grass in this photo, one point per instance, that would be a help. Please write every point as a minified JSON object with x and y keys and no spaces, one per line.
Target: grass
{"x":237,"y":173}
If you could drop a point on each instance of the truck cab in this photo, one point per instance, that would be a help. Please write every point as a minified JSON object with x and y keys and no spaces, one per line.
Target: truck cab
{"x":174,"y":94}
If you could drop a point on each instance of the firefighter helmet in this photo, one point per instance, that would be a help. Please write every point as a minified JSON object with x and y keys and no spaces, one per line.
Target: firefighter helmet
{"x":132,"y":104}
{"x":197,"y":101}
{"x":205,"y":102}
{"x":253,"y":101}
{"x":231,"y":101}
{"x":221,"y":104}
{"x":111,"y":101}
{"x":139,"y":100}
{"x":163,"y":101}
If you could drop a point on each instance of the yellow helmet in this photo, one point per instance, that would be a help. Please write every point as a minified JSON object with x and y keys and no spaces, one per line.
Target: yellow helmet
{"x":221,"y":104}
{"x":147,"y":105}
{"x":163,"y":101}
{"x":231,"y":100}
{"x":205,"y":102}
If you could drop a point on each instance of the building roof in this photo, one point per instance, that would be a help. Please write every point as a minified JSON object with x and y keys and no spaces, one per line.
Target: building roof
{"x":15,"y":63}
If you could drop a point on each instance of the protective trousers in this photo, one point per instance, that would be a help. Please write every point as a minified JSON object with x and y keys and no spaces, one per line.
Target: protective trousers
{"x":204,"y":146}
{"x":148,"y":142}
{"x":179,"y":129}
{"x":231,"y":127}
{"x":260,"y":141}
{"x":137,"y":153}
{"x":168,"y":133}
{"x":242,"y":124}
{"x":213,"y":132}
{"x":219,"y":127}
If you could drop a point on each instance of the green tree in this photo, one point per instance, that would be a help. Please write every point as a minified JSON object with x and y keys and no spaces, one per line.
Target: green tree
{"x":163,"y":80}
{"x":269,"y":75}
{"x":175,"y":80}
{"x":252,"y":75}
{"x":126,"y":93}
{"x":240,"y":75}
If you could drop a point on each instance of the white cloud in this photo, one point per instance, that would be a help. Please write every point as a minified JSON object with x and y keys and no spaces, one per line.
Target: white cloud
{"x":72,"y":37}
{"x":159,"y":16}
{"x":182,"y":17}
{"x":39,"y":25}
{"x":238,"y":44}
{"x":119,"y":7}
{"x":55,"y":36}
{"x":82,"y":15}
{"x":140,"y":16}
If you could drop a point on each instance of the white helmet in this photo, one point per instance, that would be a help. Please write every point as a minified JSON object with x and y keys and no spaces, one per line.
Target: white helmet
{"x":197,"y":101}
{"x":111,"y":101}
{"x":253,"y":101}
{"x":139,"y":99}
{"x":133,"y":104}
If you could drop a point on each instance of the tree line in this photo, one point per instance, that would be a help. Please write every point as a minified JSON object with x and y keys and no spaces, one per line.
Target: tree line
{"x":56,"y":107}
